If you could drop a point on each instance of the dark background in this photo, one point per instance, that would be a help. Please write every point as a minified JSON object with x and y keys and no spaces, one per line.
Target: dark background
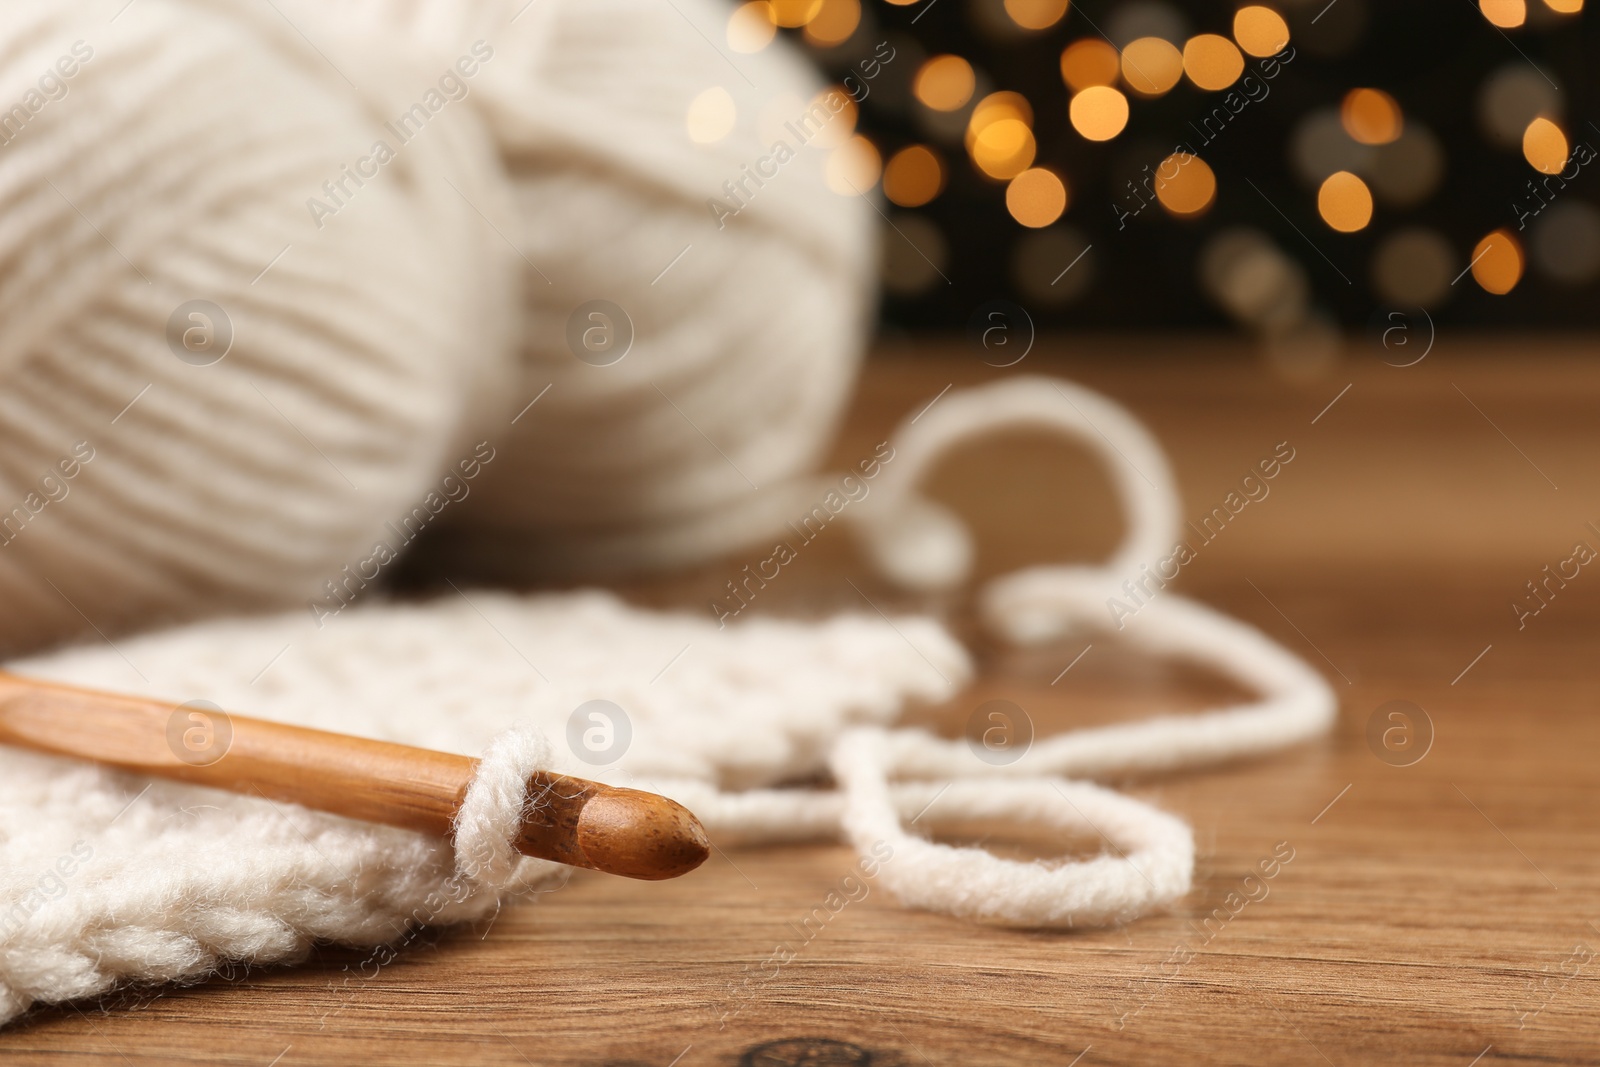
{"x":1434,"y":56}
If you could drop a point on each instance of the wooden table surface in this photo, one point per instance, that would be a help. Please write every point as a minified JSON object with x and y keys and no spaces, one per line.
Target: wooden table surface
{"x":1446,"y":912}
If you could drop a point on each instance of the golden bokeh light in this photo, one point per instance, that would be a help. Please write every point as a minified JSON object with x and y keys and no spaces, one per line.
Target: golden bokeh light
{"x":711,"y":116}
{"x":1151,"y":66}
{"x":839,"y":128}
{"x":1345,"y":202}
{"x":1260,"y":31}
{"x":1004,"y":148}
{"x":1090,"y":61}
{"x":1544,"y":146}
{"x":792,"y":14}
{"x":1098,"y":113}
{"x":944,"y":83}
{"x":1497,"y":263}
{"x":1371,"y":116}
{"x":914,"y":176}
{"x":1564,"y":7}
{"x":751,"y":27}
{"x":853,"y":167}
{"x":1036,"y":197}
{"x":994,"y":107}
{"x":1212,"y":61}
{"x":1185,"y":184}
{"x":834,"y":23}
{"x":1507,"y":14}
{"x":1036,"y":14}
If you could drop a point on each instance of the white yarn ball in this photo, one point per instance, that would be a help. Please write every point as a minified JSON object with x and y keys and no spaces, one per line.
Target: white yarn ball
{"x":175,"y":163}
{"x":746,"y":337}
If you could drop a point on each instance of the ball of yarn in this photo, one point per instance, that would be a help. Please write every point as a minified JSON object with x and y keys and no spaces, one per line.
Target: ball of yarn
{"x":161,"y":458}
{"x":746,"y":321}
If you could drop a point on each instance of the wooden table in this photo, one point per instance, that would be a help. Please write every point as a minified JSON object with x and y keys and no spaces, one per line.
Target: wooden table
{"x":1431,"y":913}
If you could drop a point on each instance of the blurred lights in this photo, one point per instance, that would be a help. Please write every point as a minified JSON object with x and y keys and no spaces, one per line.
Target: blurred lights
{"x":1185,"y":184}
{"x":1099,"y":113}
{"x":853,"y":167}
{"x":711,"y":116}
{"x":834,"y":23}
{"x":1371,"y":116}
{"x":1212,"y":62}
{"x":1507,"y":14}
{"x":1512,"y":97}
{"x":1003,"y":148}
{"x":1260,"y":31}
{"x":1036,"y":14}
{"x":837,"y":130}
{"x":1413,"y":268}
{"x":944,"y":83}
{"x":1497,"y":263}
{"x":914,"y":176}
{"x":1088,"y":62}
{"x":1345,"y":202}
{"x":1151,"y":66}
{"x":1566,"y":242}
{"x":1544,"y":146}
{"x":751,"y":27}
{"x":792,"y":14}
{"x":1564,"y":7}
{"x":1036,"y":197}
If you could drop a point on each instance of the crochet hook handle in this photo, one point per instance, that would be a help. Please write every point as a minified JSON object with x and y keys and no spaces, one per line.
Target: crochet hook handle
{"x":570,"y":820}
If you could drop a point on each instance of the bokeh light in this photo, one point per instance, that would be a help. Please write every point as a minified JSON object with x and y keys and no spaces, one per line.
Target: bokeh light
{"x":1371,"y":116}
{"x":1185,"y":184}
{"x":1414,"y":268}
{"x":853,"y":167}
{"x":1036,"y":14}
{"x":1098,"y":113}
{"x":838,"y":129}
{"x":1564,"y":7}
{"x":792,"y":14}
{"x":1512,"y":97}
{"x":751,"y":27}
{"x":1320,"y":145}
{"x":1507,"y":14}
{"x":1036,"y":197}
{"x":1566,"y":242}
{"x":1090,"y":61}
{"x":1544,"y":146}
{"x":1212,"y":61}
{"x":1345,"y":202}
{"x":1003,"y":148}
{"x":1408,"y":169}
{"x":913,"y":176}
{"x":1151,"y":66}
{"x":834,"y":23}
{"x":1497,"y":262}
{"x":1260,"y":31}
{"x":944,"y":83}
{"x":711,"y":116}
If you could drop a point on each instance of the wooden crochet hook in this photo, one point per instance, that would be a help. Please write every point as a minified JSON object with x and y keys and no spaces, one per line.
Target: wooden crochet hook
{"x":571,"y":820}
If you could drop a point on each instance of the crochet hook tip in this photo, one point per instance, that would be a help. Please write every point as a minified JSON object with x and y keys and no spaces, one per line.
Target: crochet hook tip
{"x":621,"y":831}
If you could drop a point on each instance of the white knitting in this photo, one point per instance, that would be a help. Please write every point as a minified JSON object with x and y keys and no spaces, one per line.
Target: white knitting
{"x":109,"y":878}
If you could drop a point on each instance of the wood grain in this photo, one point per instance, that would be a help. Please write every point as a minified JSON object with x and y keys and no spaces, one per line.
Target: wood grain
{"x":1430,"y":913}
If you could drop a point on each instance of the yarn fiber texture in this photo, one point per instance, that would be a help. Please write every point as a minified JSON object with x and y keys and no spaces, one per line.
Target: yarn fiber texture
{"x":381,"y":326}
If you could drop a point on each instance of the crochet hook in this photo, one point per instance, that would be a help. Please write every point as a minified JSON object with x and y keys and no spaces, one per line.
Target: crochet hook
{"x":569,"y":820}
